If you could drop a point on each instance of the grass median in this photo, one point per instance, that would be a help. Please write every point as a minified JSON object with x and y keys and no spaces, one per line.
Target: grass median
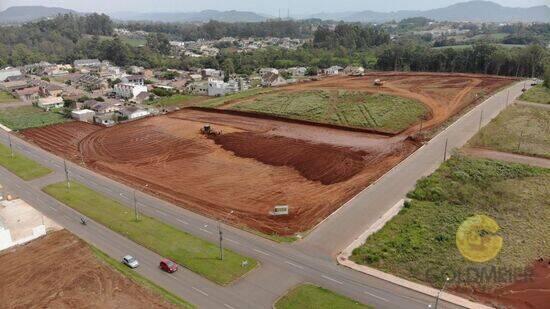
{"x":308,"y":296}
{"x":537,"y":94}
{"x":197,"y":255}
{"x":139,"y":279}
{"x":21,"y":166}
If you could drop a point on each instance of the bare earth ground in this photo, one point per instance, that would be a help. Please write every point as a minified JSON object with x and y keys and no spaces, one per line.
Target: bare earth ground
{"x":60,"y":271}
{"x":257,"y":163}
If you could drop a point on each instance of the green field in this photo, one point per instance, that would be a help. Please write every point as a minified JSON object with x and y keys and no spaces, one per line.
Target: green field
{"x":6,"y":97}
{"x":20,"y":165}
{"x":19,"y":118}
{"x":130,"y":41}
{"x":350,"y":109}
{"x":307,"y":296}
{"x":175,"y":100}
{"x":219,"y":101}
{"x":537,"y":94}
{"x":420,"y":243}
{"x":187,"y":250}
{"x":518,"y":129}
{"x":139,"y":279}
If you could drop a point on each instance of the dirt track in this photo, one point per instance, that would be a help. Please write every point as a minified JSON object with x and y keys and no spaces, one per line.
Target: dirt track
{"x":259,"y":163}
{"x":60,"y":271}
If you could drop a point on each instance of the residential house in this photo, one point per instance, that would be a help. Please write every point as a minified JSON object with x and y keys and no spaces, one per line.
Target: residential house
{"x":8,"y":72}
{"x":297,"y":71}
{"x":87,"y":64}
{"x":198,"y":88}
{"x":14,"y":85}
{"x":333,"y":70}
{"x":91,"y":82}
{"x":49,"y":103}
{"x":107,"y":120}
{"x":216,"y":88}
{"x":128,"y":91}
{"x":29,"y":94}
{"x":133,"y":112}
{"x":264,"y":71}
{"x":272,"y":80}
{"x":144,"y":96}
{"x":15,"y":78}
{"x":354,"y":71}
{"x":84,"y":115}
{"x":47,"y":89}
{"x":100,"y":107}
{"x":212,"y":73}
{"x":134,"y":79}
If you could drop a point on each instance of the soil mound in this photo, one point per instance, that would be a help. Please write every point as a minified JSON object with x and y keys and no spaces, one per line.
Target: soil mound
{"x":316,"y":162}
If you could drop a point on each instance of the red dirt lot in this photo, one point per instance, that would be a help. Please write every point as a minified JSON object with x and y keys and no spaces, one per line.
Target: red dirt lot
{"x":258,"y":163}
{"x":60,"y":271}
{"x":526,"y":293}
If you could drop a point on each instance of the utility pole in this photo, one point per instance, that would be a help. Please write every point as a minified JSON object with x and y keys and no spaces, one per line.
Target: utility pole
{"x":420,"y":130}
{"x":520,"y":138}
{"x":221,"y":233}
{"x":445,"y":152}
{"x":11,"y":146}
{"x":67,"y":174}
{"x":508,"y":97}
{"x":480,"y":120}
{"x":135,"y":206}
{"x":440,"y":291}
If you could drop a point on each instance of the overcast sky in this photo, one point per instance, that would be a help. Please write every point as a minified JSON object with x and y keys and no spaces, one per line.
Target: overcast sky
{"x":261,"y":6}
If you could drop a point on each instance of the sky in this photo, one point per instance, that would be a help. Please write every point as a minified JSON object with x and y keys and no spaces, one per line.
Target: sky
{"x":297,"y":7}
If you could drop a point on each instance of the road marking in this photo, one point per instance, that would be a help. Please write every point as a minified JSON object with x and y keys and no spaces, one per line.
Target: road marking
{"x":200,"y":291}
{"x":184,"y":222}
{"x":206,"y":231}
{"x":262,"y":252}
{"x":50,"y":207}
{"x":233,"y":241}
{"x":123,"y":196}
{"x":295,"y":265}
{"x":160,"y":212}
{"x":374,"y":295}
{"x":332,"y":279}
{"x":228,"y":306}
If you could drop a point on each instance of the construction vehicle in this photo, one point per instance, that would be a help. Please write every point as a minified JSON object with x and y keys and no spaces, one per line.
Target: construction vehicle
{"x":208,"y":130}
{"x":378,"y":82}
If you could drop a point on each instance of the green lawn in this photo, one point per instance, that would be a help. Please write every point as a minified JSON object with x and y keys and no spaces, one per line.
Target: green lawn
{"x":419,"y":243}
{"x":351,"y":109}
{"x":20,"y":165}
{"x":6,"y":97}
{"x":19,"y":118}
{"x":187,"y":250}
{"x":139,"y":279}
{"x":537,"y":94}
{"x":175,"y":100}
{"x":219,"y":101}
{"x":307,"y":296}
{"x":518,"y":129}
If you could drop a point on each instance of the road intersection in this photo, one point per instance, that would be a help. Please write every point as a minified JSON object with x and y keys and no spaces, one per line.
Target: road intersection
{"x":282,"y":265}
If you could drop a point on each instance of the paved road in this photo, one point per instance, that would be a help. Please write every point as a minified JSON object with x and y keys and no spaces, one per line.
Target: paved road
{"x":346,"y":224}
{"x":282,"y":266}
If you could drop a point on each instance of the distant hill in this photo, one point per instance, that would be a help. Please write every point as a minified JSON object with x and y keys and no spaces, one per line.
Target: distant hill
{"x":202,"y":16}
{"x":21,"y":14}
{"x":475,"y":11}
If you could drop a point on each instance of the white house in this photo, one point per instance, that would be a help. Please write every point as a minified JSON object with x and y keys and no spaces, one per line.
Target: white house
{"x":354,"y":71}
{"x":199,"y":88}
{"x":132,"y":112}
{"x":48,"y":103}
{"x":134,"y":80}
{"x":87,"y":64}
{"x":208,"y":73}
{"x":297,"y":71}
{"x":85,"y":115}
{"x":264,"y":71}
{"x":8,"y":72}
{"x":216,"y":88}
{"x":333,"y":70}
{"x":129,"y":91}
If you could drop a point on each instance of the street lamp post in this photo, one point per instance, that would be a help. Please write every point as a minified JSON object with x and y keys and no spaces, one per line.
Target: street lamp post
{"x":221,"y":234}
{"x":11,"y":146}
{"x":67,"y":174}
{"x":136,"y":213}
{"x":445,"y":152}
{"x":440,"y":291}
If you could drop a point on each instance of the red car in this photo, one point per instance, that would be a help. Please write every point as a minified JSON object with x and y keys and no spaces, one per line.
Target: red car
{"x":168,"y":266}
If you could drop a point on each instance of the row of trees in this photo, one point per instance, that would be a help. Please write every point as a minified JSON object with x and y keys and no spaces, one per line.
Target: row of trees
{"x":350,"y":36}
{"x":480,"y":58}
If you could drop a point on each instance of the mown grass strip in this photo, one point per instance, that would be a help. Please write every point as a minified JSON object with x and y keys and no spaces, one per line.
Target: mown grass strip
{"x":20,"y":165}
{"x":139,"y":279}
{"x":308,"y":296}
{"x":197,"y":255}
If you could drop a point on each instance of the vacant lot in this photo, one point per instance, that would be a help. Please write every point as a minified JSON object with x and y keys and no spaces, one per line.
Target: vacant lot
{"x":61,"y":271}
{"x":307,"y":296}
{"x":179,"y":100}
{"x":343,"y":108}
{"x":519,"y":129}
{"x":6,"y":97}
{"x":19,"y":118}
{"x":20,"y":165}
{"x":537,"y":94}
{"x":419,"y":243}
{"x":195,"y":254}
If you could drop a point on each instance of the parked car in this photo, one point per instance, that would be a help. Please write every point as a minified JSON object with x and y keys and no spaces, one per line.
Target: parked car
{"x":168,"y":266}
{"x":130,"y":261}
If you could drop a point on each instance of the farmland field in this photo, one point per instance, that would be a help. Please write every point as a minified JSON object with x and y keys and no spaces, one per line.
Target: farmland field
{"x":258,"y":161}
{"x":19,"y":118}
{"x":6,"y":97}
{"x":518,"y":129}
{"x":419,"y":243}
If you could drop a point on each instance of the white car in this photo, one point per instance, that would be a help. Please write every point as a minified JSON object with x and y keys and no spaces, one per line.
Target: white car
{"x":130,"y":261}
